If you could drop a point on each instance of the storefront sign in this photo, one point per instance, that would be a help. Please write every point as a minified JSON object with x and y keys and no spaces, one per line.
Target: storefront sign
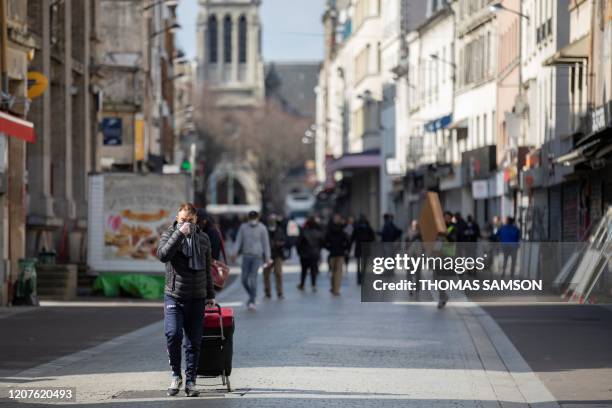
{"x":112,"y":131}
{"x":139,"y":138}
{"x":601,"y":117}
{"x":480,"y":189}
{"x":439,"y":123}
{"x":479,"y":163}
{"x":37,"y":84}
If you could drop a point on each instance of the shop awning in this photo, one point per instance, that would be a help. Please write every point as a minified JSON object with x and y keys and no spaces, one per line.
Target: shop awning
{"x":16,"y":127}
{"x":577,"y":155}
{"x":572,"y":53}
{"x":364,"y":160}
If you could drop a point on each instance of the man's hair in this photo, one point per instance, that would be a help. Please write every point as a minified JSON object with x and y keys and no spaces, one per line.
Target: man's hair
{"x":253,"y":215}
{"x":190,"y":209}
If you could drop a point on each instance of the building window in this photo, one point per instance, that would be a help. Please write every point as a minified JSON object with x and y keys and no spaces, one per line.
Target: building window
{"x":212,"y":39}
{"x":484,"y":129}
{"x":242,"y":39}
{"x":227,"y":39}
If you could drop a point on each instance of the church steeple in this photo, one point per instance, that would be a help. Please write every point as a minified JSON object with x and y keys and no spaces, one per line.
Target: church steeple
{"x":229,"y":52}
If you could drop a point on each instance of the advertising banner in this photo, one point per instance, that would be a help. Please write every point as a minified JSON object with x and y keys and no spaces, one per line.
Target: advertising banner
{"x":128,"y":214}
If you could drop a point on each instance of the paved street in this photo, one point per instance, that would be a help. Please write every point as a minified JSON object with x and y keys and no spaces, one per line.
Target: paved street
{"x":316,"y":350}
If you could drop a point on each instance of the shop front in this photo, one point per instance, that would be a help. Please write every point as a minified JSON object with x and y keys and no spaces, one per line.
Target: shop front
{"x":479,"y":171}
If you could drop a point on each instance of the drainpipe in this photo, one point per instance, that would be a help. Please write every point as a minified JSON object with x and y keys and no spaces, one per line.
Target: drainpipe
{"x":4,"y":46}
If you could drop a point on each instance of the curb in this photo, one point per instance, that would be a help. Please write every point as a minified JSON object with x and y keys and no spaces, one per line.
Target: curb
{"x":513,"y":377}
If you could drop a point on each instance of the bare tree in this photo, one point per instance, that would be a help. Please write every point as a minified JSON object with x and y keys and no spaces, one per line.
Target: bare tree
{"x":267,"y":137}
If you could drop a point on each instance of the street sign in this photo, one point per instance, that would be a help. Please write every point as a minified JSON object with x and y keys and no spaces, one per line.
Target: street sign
{"x":37,"y":84}
{"x":112,"y":130}
{"x":139,"y":149}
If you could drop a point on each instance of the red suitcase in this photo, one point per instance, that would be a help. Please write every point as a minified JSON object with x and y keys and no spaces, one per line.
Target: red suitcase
{"x":217,"y":344}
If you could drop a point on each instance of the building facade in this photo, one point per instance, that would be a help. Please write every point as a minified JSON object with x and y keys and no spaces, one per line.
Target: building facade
{"x":16,"y":133}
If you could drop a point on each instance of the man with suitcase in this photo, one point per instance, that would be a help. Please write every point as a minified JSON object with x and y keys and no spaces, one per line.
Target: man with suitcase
{"x":185,"y":250}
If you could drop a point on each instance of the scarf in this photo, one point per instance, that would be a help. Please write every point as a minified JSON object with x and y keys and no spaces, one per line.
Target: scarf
{"x":192,"y":250}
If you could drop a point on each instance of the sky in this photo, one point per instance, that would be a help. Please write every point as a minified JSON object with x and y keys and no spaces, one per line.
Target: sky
{"x":292,"y":29}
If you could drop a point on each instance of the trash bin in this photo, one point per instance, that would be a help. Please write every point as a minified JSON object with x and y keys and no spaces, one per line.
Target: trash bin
{"x":25,"y":290}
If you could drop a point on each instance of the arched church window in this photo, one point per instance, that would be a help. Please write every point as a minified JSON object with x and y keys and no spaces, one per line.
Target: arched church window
{"x":212,"y":39}
{"x":242,"y":39}
{"x":227,"y":39}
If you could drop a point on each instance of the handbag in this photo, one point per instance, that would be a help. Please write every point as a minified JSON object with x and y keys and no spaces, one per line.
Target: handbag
{"x":219,"y":270}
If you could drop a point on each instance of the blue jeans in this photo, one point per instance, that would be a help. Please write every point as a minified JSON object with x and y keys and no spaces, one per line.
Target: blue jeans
{"x":250,"y":265}
{"x":184,"y":316}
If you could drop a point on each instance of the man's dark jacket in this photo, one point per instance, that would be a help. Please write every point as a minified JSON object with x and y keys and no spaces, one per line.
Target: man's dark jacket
{"x":182,"y":282}
{"x":336,"y":240}
{"x":309,"y":242}
{"x":277,"y":242}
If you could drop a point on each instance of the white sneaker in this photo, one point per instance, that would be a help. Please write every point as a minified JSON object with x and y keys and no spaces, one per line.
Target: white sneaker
{"x":175,"y":386}
{"x":251,"y":306}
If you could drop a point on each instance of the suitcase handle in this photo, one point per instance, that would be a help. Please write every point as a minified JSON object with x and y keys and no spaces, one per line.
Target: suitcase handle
{"x":215,"y":308}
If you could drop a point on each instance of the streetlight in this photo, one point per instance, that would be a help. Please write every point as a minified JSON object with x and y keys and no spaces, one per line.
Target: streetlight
{"x":437,"y":58}
{"x":171,"y":29}
{"x":495,"y":7}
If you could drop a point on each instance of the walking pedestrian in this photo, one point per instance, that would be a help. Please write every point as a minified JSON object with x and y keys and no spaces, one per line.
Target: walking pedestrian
{"x":208,"y":225}
{"x":309,"y":245}
{"x":349,"y":227}
{"x":253,"y":243}
{"x":415,"y":249}
{"x":336,"y":243}
{"x":461,"y":227}
{"x":414,"y":233}
{"x":362,"y":234}
{"x":509,"y":236}
{"x":448,"y":250}
{"x":472,"y":230}
{"x":277,"y":238}
{"x":390,"y":232}
{"x":185,"y":249}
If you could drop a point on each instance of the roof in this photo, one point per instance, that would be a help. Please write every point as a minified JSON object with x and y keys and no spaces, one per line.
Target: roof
{"x":293,"y":83}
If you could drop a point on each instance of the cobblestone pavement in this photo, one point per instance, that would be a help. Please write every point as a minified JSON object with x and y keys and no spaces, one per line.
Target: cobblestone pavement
{"x":315,"y":350}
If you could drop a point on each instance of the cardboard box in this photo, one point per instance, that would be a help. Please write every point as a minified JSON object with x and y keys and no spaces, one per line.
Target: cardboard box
{"x":431,"y":218}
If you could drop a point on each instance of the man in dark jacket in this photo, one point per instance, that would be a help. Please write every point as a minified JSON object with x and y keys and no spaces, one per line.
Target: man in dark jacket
{"x":185,"y":250}
{"x":336,"y":243}
{"x":277,"y":248}
{"x":390,"y":232}
{"x":362,"y":233}
{"x":309,"y":245}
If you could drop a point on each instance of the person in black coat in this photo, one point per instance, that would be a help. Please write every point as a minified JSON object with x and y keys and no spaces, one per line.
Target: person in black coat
{"x":336,"y":243}
{"x":390,"y":232}
{"x":309,"y":243}
{"x":208,"y":225}
{"x":363,"y":233}
{"x":277,"y":238}
{"x":185,"y":250}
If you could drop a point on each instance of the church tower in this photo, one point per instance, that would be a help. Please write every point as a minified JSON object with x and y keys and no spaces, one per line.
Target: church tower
{"x":229,"y":51}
